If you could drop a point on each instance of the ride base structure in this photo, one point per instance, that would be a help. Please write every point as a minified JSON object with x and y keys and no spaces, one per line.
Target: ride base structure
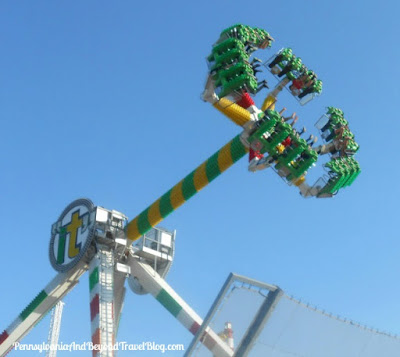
{"x":113,"y":250}
{"x":93,"y":239}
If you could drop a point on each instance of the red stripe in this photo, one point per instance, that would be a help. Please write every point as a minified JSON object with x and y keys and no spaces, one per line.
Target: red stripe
{"x":3,"y":336}
{"x":194,"y":328}
{"x":94,"y":307}
{"x":96,"y":342}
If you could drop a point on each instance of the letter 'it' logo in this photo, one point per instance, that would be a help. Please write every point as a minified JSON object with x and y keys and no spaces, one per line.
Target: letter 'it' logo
{"x":71,"y":235}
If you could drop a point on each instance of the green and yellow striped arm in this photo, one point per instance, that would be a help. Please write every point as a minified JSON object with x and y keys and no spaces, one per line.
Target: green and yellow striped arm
{"x":186,"y":188}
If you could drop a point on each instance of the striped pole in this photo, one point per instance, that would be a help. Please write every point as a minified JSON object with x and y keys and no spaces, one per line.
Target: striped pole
{"x":39,"y":307}
{"x":186,"y":188}
{"x":34,"y":304}
{"x":229,"y":335}
{"x":101,"y":278}
{"x":167,"y":297}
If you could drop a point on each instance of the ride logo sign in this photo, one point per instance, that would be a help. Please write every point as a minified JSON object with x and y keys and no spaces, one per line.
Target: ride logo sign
{"x":71,"y":235}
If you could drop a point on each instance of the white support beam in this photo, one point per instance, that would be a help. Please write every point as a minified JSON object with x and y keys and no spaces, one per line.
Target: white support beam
{"x":159,"y":288}
{"x":101,"y":283}
{"x":62,"y":284}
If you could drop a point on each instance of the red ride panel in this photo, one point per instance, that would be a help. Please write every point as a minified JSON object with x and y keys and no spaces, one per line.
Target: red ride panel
{"x":246,"y":101}
{"x":94,"y":307}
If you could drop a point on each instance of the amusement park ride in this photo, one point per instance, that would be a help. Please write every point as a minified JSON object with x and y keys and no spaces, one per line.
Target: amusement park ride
{"x":112,"y":249}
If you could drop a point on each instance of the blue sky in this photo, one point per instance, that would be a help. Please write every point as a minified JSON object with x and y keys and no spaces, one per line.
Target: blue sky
{"x":101,"y":99}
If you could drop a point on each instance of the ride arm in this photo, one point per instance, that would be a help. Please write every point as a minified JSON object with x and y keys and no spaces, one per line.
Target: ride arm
{"x":61,"y":285}
{"x":186,"y":188}
{"x":152,"y":283}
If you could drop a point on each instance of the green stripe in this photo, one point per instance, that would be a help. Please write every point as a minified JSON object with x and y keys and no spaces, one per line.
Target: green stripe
{"x":93,"y":278}
{"x":33,"y":305}
{"x":165,"y":204}
{"x":237,"y":149}
{"x":188,"y":188}
{"x":169,"y":303}
{"x":61,"y":245}
{"x":212,"y":168}
{"x":143,"y":221}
